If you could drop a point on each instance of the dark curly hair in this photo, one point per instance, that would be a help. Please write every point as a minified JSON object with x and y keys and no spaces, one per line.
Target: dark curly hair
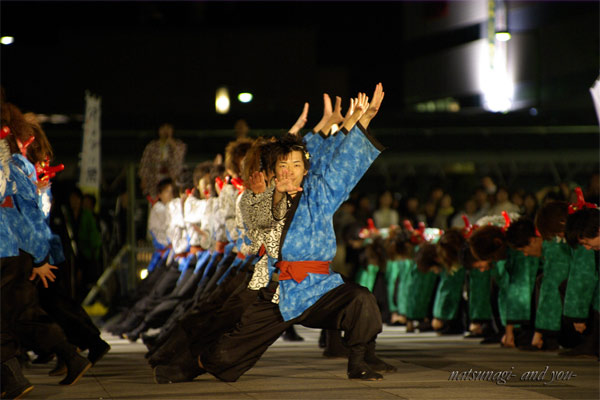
{"x":519,"y":233}
{"x":488,"y":243}
{"x":285,"y":145}
{"x":235,"y":152}
{"x":551,"y":218}
{"x":449,"y":246}
{"x":582,"y":224}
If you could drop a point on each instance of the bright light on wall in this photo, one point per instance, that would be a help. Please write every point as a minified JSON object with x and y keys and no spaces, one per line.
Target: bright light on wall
{"x":222,"y":102}
{"x":143,"y":274}
{"x":7,"y":40}
{"x":495,"y":81}
{"x":503,"y":36}
{"x":245,"y":97}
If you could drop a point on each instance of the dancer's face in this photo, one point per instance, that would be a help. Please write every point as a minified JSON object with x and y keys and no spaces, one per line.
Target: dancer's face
{"x":534,"y":248}
{"x":481,"y":265}
{"x":591,"y":243}
{"x":166,"y":195}
{"x":294,"y":164}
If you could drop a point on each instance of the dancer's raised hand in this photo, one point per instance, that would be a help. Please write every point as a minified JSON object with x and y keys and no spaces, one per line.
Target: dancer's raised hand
{"x":299,"y":124}
{"x":359,"y":105}
{"x":327,"y":111}
{"x":335,"y":118}
{"x":284,"y":183}
{"x":257,"y":183}
{"x":374,"y":106}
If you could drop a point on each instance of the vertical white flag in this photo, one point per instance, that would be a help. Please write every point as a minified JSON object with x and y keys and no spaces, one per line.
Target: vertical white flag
{"x":89,"y":175}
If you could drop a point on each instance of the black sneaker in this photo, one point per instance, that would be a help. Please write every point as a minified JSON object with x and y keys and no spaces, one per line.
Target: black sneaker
{"x":14,"y":383}
{"x":290,"y":335}
{"x":76,"y":367}
{"x":363,"y":372}
{"x":164,"y":374}
{"x":98,"y":351}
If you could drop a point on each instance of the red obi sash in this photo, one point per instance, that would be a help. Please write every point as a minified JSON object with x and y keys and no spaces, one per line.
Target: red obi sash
{"x":195,"y":249}
{"x":220,"y":247}
{"x":241,"y":255}
{"x":7,"y":203}
{"x":298,"y":270}
{"x":163,"y":251}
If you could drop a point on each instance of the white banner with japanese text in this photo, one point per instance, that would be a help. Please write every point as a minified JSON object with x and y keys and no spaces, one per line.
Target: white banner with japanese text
{"x":89,"y":174}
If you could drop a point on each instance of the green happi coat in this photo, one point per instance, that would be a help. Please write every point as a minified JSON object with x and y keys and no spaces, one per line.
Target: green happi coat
{"x":406,"y":275}
{"x":556,"y":263}
{"x":596,"y":298}
{"x":366,"y":276}
{"x":522,"y":274}
{"x":480,"y":308}
{"x":449,"y":291}
{"x":582,"y":282}
{"x":500,"y":274}
{"x":420,"y":293}
{"x":392,"y":273}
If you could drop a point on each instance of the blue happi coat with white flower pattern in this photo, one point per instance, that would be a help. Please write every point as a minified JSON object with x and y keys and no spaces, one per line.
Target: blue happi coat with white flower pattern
{"x":308,"y":232}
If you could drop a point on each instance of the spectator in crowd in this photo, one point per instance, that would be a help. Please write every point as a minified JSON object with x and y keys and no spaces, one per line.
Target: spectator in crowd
{"x":162,"y":158}
{"x":88,"y":241}
{"x":385,"y":216}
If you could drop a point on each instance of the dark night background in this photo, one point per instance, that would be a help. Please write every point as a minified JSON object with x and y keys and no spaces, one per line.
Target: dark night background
{"x":156,"y":61}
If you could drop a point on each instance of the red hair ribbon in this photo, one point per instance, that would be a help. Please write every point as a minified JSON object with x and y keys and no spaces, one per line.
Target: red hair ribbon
{"x":23,"y":146}
{"x":369,"y":230}
{"x":417,"y":234}
{"x":581,"y":203}
{"x":506,"y":221}
{"x":238,"y":183}
{"x":219,"y":182}
{"x":46,"y":172}
{"x":371,"y":225}
{"x":468,"y":229}
{"x":4,"y":132}
{"x":151,"y":200}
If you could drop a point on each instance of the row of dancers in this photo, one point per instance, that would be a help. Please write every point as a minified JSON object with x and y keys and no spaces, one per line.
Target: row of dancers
{"x":37,"y":312}
{"x":245,"y":254}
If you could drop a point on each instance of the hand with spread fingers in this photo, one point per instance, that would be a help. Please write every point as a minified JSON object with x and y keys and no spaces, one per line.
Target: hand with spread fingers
{"x":257,"y":183}
{"x":327,"y":111}
{"x":301,"y":121}
{"x":45,"y":273}
{"x":373,"y":106}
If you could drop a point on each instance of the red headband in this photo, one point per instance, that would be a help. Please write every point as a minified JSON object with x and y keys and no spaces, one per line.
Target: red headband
{"x":4,"y":132}
{"x":23,"y":146}
{"x":468,"y":229}
{"x":506,"y":221}
{"x":45,"y":172}
{"x":581,"y":203}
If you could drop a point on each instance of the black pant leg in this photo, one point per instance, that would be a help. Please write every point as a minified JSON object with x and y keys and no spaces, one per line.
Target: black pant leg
{"x":349,"y":307}
{"x":237,"y":351}
{"x":78,"y":327}
{"x":210,"y":329}
{"x":9,"y":343}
